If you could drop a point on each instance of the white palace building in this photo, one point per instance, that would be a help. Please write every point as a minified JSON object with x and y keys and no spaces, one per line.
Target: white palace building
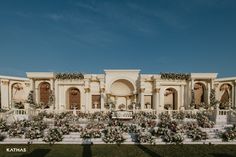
{"x":118,"y":90}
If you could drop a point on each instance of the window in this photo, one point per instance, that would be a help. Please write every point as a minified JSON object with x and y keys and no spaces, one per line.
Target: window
{"x":96,"y":101}
{"x":148,"y":102}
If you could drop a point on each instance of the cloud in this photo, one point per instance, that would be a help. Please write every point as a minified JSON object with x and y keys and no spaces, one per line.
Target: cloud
{"x":86,"y":6}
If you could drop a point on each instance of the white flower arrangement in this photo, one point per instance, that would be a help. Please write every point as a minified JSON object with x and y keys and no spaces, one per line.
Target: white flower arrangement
{"x":53,"y":135}
{"x":113,"y":135}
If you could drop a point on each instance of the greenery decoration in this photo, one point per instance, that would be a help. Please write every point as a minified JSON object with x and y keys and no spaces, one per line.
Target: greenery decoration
{"x":175,"y":76}
{"x":213,"y":101}
{"x":70,"y":76}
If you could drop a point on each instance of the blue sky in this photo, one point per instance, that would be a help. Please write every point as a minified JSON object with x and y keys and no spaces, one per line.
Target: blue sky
{"x":91,"y":35}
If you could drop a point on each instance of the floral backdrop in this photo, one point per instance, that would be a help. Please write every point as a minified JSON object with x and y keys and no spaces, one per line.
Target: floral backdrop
{"x":143,"y":128}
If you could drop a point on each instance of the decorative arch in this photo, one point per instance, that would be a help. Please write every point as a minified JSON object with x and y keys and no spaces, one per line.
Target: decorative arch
{"x":122,"y":87}
{"x":128,"y":79}
{"x":199,"y":94}
{"x":44,"y":93}
{"x":74,"y":98}
{"x":17,"y":92}
{"x":171,"y":99}
{"x":226,"y":95}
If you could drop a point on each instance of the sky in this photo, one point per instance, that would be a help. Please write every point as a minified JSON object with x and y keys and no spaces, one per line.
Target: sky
{"x":92,"y":35}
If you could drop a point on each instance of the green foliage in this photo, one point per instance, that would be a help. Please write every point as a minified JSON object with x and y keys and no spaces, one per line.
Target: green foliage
{"x":213,"y":101}
{"x":175,"y":76}
{"x":30,"y":98}
{"x":70,"y":76}
{"x":203,"y":121}
{"x":19,"y":105}
{"x":229,"y":134}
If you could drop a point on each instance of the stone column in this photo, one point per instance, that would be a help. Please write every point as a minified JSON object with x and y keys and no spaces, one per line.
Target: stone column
{"x":56,"y":96}
{"x":62,"y":99}
{"x":192,"y":84}
{"x":32,"y":88}
{"x":10,"y":102}
{"x":53,"y":92}
{"x":5,"y":94}
{"x":208,"y":92}
{"x":142,"y":98}
{"x":182,"y":97}
{"x":161,"y":99}
{"x":156,"y":98}
{"x":32,"y":84}
{"x":190,"y":93}
{"x":102,"y":98}
{"x":234,"y":94}
{"x":102,"y":91}
{"x":87,"y":106}
{"x":127,"y":100}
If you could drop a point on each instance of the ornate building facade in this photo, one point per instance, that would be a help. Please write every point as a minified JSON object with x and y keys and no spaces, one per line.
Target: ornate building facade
{"x":118,"y":89}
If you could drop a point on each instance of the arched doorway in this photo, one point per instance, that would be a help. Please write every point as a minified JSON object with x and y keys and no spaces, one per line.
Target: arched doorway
{"x":225,"y":100}
{"x":122,"y":92}
{"x":171,"y":99}
{"x":17,"y":93}
{"x":199,"y":95}
{"x":44,"y":94}
{"x":74,"y":98}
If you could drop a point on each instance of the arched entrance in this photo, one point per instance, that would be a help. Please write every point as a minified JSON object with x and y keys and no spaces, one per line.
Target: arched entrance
{"x":17,"y":93}
{"x":122,"y":92}
{"x":44,"y":93}
{"x":171,"y":99}
{"x":73,"y":98}
{"x":199,"y":95}
{"x":225,"y":100}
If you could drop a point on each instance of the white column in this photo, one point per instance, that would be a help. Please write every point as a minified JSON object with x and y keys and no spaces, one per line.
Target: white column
{"x":52,"y":84}
{"x":142,"y":98}
{"x":53,"y":92}
{"x":87,"y":105}
{"x":32,"y":88}
{"x":234,"y":94}
{"x":5,"y":94}
{"x":32,"y":84}
{"x":56,"y":94}
{"x":186,"y":96}
{"x":102,"y":99}
{"x":182,"y":96}
{"x":192,"y":84}
{"x":102,"y":91}
{"x":62,"y":103}
{"x":161,"y":99}
{"x":156,"y":98}
{"x":208,"y":92}
{"x":10,"y":102}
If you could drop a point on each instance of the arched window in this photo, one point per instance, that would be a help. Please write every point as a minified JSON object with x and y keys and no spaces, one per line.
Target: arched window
{"x":171,"y":99}
{"x":199,"y":95}
{"x":226,"y":97}
{"x":17,"y":93}
{"x":44,"y":93}
{"x":74,"y":98}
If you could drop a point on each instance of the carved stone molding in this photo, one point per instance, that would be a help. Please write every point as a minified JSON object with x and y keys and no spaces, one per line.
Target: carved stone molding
{"x":5,"y":82}
{"x":156,"y":90}
{"x":216,"y":85}
{"x":27,"y":84}
{"x":102,"y":90}
{"x":141,"y":90}
{"x":87,"y":90}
